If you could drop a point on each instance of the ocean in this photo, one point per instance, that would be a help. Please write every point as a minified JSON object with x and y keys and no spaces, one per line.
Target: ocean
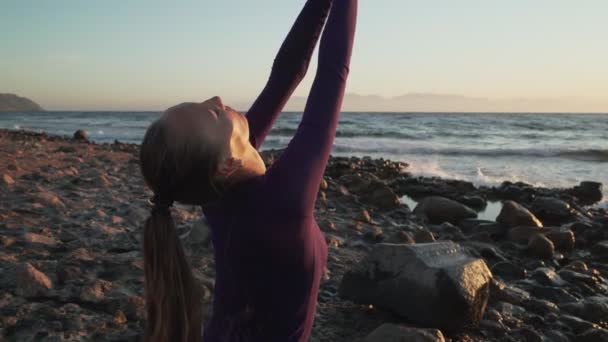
{"x":551,"y":150}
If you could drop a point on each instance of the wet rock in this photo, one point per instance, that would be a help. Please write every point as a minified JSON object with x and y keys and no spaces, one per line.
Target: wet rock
{"x":588,"y":192}
{"x":546,"y":276}
{"x":508,"y":270}
{"x":576,"y":324}
{"x":433,"y":284}
{"x":513,"y":214}
{"x":563,"y":239}
{"x":389,"y":332}
{"x":468,"y":225}
{"x":423,"y":236}
{"x":523,"y":234}
{"x":593,"y":335}
{"x":541,"y":247}
{"x":80,"y":135}
{"x":531,"y":335}
{"x":553,"y":294}
{"x":438,"y":209}
{"x":475,"y":202}
{"x":540,"y":306}
{"x":600,"y":250}
{"x":553,"y":211}
{"x":593,"y":309}
{"x":30,"y":282}
{"x":556,"y":336}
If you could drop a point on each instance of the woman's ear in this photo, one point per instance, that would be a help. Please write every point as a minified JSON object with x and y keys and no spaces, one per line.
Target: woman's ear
{"x":228,"y":167}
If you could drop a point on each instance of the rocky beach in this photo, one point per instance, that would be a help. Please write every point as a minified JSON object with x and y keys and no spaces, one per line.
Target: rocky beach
{"x":410,"y":258}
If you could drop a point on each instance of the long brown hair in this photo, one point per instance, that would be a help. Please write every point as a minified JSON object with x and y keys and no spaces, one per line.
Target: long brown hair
{"x":182,"y":169}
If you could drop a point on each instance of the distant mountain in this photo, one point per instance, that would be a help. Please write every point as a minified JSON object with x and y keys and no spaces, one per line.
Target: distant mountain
{"x":14,"y":103}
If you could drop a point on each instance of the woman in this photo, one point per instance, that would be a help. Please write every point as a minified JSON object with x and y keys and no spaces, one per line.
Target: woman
{"x":269,"y":251}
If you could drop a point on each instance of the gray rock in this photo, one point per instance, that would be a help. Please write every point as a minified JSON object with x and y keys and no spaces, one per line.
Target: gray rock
{"x":432,"y":284}
{"x":513,"y":214}
{"x":440,"y":209}
{"x":397,"y":333}
{"x":588,"y":192}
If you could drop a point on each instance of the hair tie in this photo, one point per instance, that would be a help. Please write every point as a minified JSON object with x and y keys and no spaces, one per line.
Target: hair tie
{"x":161,"y":205}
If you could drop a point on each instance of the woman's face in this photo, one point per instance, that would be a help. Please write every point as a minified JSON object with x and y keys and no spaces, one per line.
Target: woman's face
{"x":219,"y":124}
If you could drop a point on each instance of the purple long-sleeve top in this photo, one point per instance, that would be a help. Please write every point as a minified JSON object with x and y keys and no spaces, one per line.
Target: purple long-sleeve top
{"x":269,"y":251}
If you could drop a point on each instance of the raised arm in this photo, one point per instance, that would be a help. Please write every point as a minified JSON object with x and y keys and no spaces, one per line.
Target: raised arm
{"x":288,"y":70}
{"x":296,"y":175}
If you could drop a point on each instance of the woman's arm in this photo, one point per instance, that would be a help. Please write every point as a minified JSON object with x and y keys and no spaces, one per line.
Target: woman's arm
{"x":295,"y":177}
{"x":288,"y":70}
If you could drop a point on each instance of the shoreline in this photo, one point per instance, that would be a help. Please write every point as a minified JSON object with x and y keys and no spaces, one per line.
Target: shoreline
{"x":70,"y":224}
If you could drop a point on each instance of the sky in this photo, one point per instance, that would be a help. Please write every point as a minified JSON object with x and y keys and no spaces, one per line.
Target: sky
{"x":523,"y":55}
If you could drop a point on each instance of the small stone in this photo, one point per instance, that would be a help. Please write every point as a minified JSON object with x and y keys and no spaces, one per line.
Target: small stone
{"x":508,"y":270}
{"x":541,"y":247}
{"x":30,"y":281}
{"x":600,"y":250}
{"x":117,"y":219}
{"x":364,"y":216}
{"x":8,"y":180}
{"x":389,"y":332}
{"x":96,"y":291}
{"x":81,"y":135}
{"x":323,"y":185}
{"x":423,"y":236}
{"x":50,"y":199}
{"x":39,"y":239}
{"x":548,"y":277}
{"x":119,"y":318}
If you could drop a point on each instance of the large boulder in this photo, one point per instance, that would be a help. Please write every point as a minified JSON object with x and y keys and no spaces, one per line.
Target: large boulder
{"x":436,"y":285}
{"x":513,"y":214}
{"x":588,"y":192}
{"x":438,"y":209}
{"x":389,"y":332}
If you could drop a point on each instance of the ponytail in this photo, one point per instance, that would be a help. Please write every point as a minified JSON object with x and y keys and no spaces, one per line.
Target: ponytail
{"x":173,"y":297}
